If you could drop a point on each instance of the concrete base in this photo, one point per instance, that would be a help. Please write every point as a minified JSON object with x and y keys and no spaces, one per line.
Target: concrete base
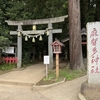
{"x":90,"y":92}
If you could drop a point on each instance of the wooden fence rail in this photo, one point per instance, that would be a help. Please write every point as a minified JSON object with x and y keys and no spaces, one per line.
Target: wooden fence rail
{"x":10,"y":59}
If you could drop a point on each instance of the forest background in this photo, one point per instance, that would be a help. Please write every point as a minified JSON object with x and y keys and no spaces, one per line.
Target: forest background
{"x":40,"y":9}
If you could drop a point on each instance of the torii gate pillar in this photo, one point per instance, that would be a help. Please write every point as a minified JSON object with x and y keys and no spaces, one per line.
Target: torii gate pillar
{"x":19,"y":47}
{"x":50,"y":51}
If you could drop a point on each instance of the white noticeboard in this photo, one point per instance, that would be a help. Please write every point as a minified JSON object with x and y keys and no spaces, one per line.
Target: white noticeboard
{"x":46,"y":60}
{"x":9,"y":50}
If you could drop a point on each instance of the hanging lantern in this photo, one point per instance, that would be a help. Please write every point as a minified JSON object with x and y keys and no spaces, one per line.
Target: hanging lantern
{"x":34,"y":27}
{"x":40,"y":38}
{"x":47,"y":33}
{"x":26,"y":38}
{"x":33,"y":40}
{"x":19,"y":34}
{"x":36,"y":36}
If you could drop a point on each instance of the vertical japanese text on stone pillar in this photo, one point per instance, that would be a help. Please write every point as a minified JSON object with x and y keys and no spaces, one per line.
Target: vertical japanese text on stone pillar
{"x":93,"y":52}
{"x":94,"y":56}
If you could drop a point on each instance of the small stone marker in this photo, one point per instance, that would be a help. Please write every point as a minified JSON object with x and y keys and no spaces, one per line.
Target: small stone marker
{"x":93,"y":50}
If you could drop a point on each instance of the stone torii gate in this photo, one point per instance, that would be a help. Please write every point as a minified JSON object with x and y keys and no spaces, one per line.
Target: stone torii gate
{"x":48,"y":21}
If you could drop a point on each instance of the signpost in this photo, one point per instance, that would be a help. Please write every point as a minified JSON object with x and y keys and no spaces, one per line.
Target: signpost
{"x":46,"y":61}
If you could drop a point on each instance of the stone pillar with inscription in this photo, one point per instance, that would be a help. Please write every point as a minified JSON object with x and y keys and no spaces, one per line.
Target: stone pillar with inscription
{"x":93,"y":51}
{"x":91,"y":88}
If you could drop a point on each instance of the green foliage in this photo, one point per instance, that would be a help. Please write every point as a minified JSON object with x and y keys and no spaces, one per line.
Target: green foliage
{"x":26,"y":58}
{"x":65,"y":73}
{"x":51,"y":75}
{"x":16,"y":10}
{"x":90,"y":11}
{"x":4,"y":37}
{"x":4,"y":41}
{"x":71,"y":74}
{"x":47,"y":8}
{"x":6,"y":67}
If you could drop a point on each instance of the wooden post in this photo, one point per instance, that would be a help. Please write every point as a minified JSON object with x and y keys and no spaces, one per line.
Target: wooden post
{"x":57,"y":65}
{"x":19,"y":46}
{"x":46,"y":71}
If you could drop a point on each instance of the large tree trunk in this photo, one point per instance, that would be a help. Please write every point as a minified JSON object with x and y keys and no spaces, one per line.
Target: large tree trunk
{"x":76,"y":59}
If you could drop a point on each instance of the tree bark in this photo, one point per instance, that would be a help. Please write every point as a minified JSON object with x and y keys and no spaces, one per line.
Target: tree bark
{"x":76,"y":59}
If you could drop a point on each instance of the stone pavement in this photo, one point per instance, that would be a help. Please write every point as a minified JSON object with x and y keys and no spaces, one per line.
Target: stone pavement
{"x":65,"y":91}
{"x":8,"y":92}
{"x":28,"y":76}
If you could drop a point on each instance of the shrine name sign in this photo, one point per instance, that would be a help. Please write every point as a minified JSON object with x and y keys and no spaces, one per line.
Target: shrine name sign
{"x":93,"y":52}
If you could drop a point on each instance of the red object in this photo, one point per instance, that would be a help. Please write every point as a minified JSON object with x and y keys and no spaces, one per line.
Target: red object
{"x":10,"y":59}
{"x":57,"y":45}
{"x":84,"y":42}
